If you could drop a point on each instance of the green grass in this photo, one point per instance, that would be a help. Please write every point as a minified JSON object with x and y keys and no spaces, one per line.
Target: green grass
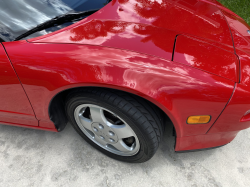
{"x":240,"y":7}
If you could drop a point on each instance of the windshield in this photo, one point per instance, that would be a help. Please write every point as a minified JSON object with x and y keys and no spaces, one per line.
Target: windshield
{"x":19,"y":16}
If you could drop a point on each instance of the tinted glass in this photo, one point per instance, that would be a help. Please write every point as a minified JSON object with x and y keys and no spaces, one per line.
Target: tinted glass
{"x":19,"y":16}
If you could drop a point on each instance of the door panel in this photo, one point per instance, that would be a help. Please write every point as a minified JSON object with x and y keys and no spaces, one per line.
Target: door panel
{"x":14,"y":104}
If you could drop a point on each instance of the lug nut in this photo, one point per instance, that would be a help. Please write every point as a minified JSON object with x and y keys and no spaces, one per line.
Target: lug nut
{"x":95,"y":129}
{"x":111,"y":133}
{"x":102,"y":137}
{"x":111,"y":140}
{"x":101,"y":126}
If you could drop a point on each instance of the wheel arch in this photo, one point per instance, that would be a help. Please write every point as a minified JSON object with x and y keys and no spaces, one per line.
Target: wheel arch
{"x":57,"y":113}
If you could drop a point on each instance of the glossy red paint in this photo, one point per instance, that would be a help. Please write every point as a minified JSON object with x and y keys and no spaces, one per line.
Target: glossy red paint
{"x":14,"y":104}
{"x":239,"y":105}
{"x":234,"y":117}
{"x":239,"y":30}
{"x":246,"y":117}
{"x":220,"y":6}
{"x":204,"y":141}
{"x":117,"y":34}
{"x":178,"y":89}
{"x":230,"y":119}
{"x":207,"y":57}
{"x":197,"y":18}
{"x":128,"y":45}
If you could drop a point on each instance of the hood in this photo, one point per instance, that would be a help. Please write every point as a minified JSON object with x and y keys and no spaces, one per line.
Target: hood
{"x":142,"y":18}
{"x":153,"y":27}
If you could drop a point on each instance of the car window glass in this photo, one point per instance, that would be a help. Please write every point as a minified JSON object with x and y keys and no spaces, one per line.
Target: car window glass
{"x":19,"y":16}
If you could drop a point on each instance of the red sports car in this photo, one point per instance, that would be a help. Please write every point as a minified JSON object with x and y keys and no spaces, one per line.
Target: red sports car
{"x":120,"y":71}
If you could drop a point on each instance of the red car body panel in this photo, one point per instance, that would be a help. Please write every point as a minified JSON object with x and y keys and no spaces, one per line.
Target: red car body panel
{"x":70,"y":65}
{"x":235,"y":117}
{"x":239,"y":32}
{"x":196,"y":17}
{"x":221,"y":7}
{"x":123,"y":35}
{"x":179,"y":55}
{"x":204,"y":56}
{"x":204,"y":141}
{"x":14,"y":104}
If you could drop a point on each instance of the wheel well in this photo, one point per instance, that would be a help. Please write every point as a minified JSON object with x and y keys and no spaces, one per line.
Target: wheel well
{"x":58,"y":115}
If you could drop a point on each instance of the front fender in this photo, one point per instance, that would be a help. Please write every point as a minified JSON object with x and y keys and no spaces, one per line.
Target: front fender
{"x":179,"y":90}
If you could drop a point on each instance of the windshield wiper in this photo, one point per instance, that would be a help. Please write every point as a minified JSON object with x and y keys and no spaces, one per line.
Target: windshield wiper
{"x":58,"y":20}
{"x":1,"y":40}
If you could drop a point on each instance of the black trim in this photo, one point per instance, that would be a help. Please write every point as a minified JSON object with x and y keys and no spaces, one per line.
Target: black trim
{"x":57,"y":21}
{"x":196,"y":150}
{"x":239,"y":68}
{"x":175,"y":40}
{"x":57,"y":113}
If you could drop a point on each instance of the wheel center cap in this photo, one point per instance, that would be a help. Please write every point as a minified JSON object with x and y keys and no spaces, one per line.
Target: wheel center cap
{"x":104,"y":132}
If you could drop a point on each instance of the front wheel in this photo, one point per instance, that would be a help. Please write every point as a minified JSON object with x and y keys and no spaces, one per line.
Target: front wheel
{"x":115,"y":123}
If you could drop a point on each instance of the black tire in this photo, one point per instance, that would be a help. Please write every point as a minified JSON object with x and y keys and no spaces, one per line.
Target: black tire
{"x":142,"y":117}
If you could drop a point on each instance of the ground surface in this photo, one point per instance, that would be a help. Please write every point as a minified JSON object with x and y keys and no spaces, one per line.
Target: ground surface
{"x":39,"y":158}
{"x":240,"y":7}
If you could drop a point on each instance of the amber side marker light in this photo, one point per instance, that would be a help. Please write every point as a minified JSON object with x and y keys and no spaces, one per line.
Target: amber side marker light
{"x":198,"y":119}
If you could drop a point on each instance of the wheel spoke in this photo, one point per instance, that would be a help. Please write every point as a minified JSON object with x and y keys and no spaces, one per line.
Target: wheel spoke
{"x":122,"y":131}
{"x":106,"y":129}
{"x":97,"y":115}
{"x":121,"y":146}
{"x":86,"y":123}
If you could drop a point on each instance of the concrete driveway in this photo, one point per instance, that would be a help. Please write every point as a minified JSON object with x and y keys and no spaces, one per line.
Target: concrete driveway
{"x":40,"y":158}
